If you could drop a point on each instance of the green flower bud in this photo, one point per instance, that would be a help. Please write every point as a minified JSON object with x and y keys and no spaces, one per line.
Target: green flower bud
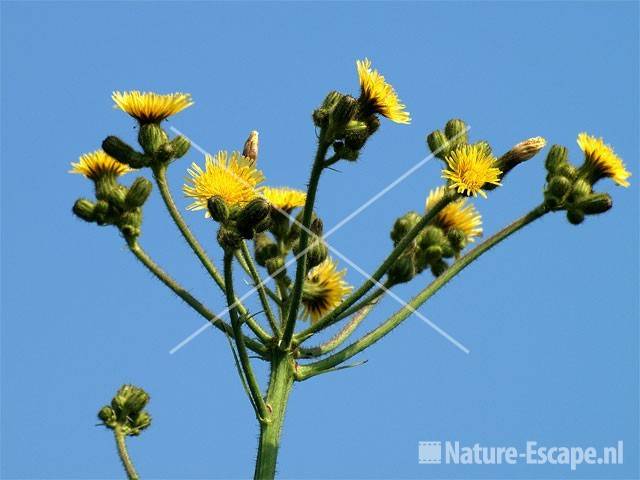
{"x":180,"y":146}
{"x":581,"y":188}
{"x":84,"y":209}
{"x":559,"y":186}
{"x":275,"y":266}
{"x":218,"y":209}
{"x":575,"y":216}
{"x":140,"y":422}
{"x":265,"y":249}
{"x":433,"y":254}
{"x":253,"y":213}
{"x":108,"y":416}
{"x":317,"y":253}
{"x":331,"y":100}
{"x":151,"y":137}
{"x":344,"y":152}
{"x":456,"y":132}
{"x":264,"y":225}
{"x":484,"y":145}
{"x":402,"y":270}
{"x":567,"y":170}
{"x":438,"y":144}
{"x":557,"y":156}
{"x":595,"y":203}
{"x":128,"y":401}
{"x":355,"y":135}
{"x":344,"y":111}
{"x":122,"y":152}
{"x":457,"y":238}
{"x":228,"y":238}
{"x":403,"y":225}
{"x":431,"y":236}
{"x":138,"y":193}
{"x":373,"y":124}
{"x":438,"y":268}
{"x":447,"y":249}
{"x":320,"y":117}
{"x":317,"y":226}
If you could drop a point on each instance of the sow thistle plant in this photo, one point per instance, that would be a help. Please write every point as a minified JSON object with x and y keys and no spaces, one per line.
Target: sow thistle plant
{"x":275,"y":234}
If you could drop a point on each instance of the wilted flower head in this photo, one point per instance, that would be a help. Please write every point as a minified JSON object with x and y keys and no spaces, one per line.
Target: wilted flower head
{"x":469,"y":168}
{"x":149,"y":107}
{"x":98,"y":164}
{"x":323,"y":289}
{"x":458,"y":215}
{"x":601,"y":161}
{"x":378,"y":96}
{"x":233,"y":178}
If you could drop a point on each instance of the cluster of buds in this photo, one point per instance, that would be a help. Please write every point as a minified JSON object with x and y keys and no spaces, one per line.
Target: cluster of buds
{"x":430,"y":249}
{"x":342,"y":118}
{"x":569,"y":188}
{"x":116,"y":204}
{"x":239,"y":223}
{"x":126,"y":411}
{"x":271,"y":251}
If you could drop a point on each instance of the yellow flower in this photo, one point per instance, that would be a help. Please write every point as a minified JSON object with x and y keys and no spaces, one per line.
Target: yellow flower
{"x":323,"y":290}
{"x":602,"y":160}
{"x":232,"y":178}
{"x":149,"y":107}
{"x":378,"y":95}
{"x":456,"y":215}
{"x":284,"y":198}
{"x":98,"y":164}
{"x":470,"y":167}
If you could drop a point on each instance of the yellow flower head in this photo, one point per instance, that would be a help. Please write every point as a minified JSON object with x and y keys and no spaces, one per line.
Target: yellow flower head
{"x":378,"y":95}
{"x":284,"y":198}
{"x":324,"y":288}
{"x":230,"y":177}
{"x":469,"y":168}
{"x":458,"y":215}
{"x":149,"y":107}
{"x":98,"y":164}
{"x":602,"y":160}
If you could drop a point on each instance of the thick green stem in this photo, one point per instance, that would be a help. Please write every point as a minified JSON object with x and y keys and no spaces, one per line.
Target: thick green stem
{"x":373,"y":336}
{"x":259,"y":284}
{"x":194,"y":303}
{"x":236,"y":324}
{"x":160,"y":175}
{"x":124,"y":454}
{"x":402,"y":245}
{"x":280,"y":384}
{"x":301,"y":268}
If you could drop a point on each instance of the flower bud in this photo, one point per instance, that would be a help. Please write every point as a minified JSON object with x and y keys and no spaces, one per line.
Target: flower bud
{"x":456,"y":132}
{"x":355,"y":135}
{"x":521,"y":152}
{"x":265,"y":249}
{"x":457,"y":238}
{"x":433,"y":254}
{"x":122,"y":152}
{"x":331,"y":100}
{"x":84,"y":209}
{"x":557,"y":156}
{"x":320,"y":117}
{"x":317,"y":226}
{"x":180,"y":146}
{"x":595,"y":203}
{"x":344,"y":111}
{"x":402,"y":270}
{"x":250,"y":149}
{"x":575,"y":216}
{"x":438,"y":144}
{"x":484,"y":146}
{"x":151,"y":137}
{"x":317,"y":253}
{"x":373,"y":124}
{"x":581,"y":188}
{"x":344,"y":152}
{"x":128,"y":401}
{"x":253,"y":213}
{"x":138,"y":193}
{"x":228,"y":238}
{"x":108,"y":416}
{"x":559,"y":186}
{"x":568,"y":171}
{"x":439,"y":267}
{"x":275,"y":266}
{"x":218,"y":209}
{"x":403,"y":225}
{"x":431,"y":236}
{"x":140,"y":422}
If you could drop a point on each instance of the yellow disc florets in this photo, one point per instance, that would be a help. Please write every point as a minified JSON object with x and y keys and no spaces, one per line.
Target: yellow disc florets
{"x":149,"y":107}
{"x":602,"y":160}
{"x":469,"y":168}
{"x":458,"y":215}
{"x":233,"y":178}
{"x":324,"y":288}
{"x":378,"y":95}
{"x":98,"y":164}
{"x":284,"y":198}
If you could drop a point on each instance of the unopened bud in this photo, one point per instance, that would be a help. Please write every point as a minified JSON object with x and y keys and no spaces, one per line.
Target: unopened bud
{"x":575,"y":216}
{"x":433,"y":254}
{"x":439,"y":267}
{"x":457,"y":238}
{"x":581,"y":188}
{"x":122,"y":152}
{"x":344,"y":111}
{"x":138,"y":193}
{"x":521,"y":152}
{"x":317,"y":253}
{"x":596,"y":203}
{"x":140,"y":422}
{"x":344,"y":152}
{"x":403,"y":225}
{"x":356,"y":134}
{"x":151,"y":137}
{"x":253,"y":213}
{"x":456,"y":131}
{"x":108,"y":416}
{"x":228,"y":238}
{"x":250,"y":149}
{"x":431,"y":236}
{"x":317,"y":226}
{"x":557,"y":156}
{"x":402,"y":270}
{"x":275,"y":266}
{"x":218,"y":209}
{"x":265,"y":249}
{"x":559,"y":186}
{"x":84,"y":209}
{"x":331,"y":100}
{"x":180,"y":146}
{"x":438,"y":144}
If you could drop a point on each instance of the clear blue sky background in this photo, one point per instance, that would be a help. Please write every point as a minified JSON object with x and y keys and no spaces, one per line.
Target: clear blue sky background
{"x":550,"y":317}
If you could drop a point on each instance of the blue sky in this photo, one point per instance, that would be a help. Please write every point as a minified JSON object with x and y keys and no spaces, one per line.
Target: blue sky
{"x":550,"y":317}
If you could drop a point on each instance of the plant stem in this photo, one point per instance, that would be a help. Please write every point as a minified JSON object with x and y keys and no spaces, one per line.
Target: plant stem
{"x":334,"y":315}
{"x":160,"y":175}
{"x":280,"y":384}
{"x":194,"y":303}
{"x":362,"y":308}
{"x":245,"y":266}
{"x":259,"y":284}
{"x":124,"y":454}
{"x":301,"y":268}
{"x":373,"y":336}
{"x":236,"y":324}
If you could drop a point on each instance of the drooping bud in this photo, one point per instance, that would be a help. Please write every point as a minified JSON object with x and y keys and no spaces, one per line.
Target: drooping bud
{"x":138,"y":192}
{"x":575,"y":216}
{"x":180,"y":146}
{"x":84,"y":209}
{"x":595,"y":203}
{"x":250,"y":149}
{"x":439,"y":267}
{"x":218,"y":209}
{"x":151,"y":137}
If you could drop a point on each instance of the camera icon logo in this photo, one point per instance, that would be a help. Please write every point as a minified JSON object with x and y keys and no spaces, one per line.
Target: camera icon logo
{"x":430,"y":452}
